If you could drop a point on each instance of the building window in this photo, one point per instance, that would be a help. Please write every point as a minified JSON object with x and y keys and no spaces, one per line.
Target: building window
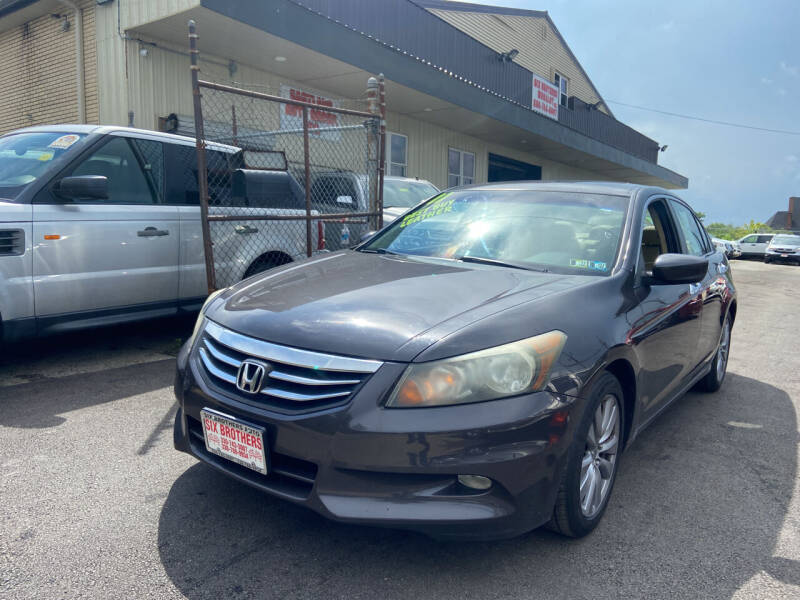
{"x":562,"y":84}
{"x":460,"y":167}
{"x":398,"y":154}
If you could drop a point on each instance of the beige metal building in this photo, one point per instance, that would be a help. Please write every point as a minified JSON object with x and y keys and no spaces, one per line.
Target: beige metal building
{"x":462,"y":79}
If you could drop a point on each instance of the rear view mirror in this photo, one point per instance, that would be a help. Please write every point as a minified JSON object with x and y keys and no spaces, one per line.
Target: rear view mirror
{"x":344,"y":200}
{"x":94,"y":187}
{"x":679,"y":268}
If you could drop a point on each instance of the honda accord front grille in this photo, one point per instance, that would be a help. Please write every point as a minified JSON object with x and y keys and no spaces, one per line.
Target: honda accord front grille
{"x":278,"y":377}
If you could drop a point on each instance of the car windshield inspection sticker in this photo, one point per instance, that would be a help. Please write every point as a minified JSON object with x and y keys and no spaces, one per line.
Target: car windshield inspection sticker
{"x":64,"y":142}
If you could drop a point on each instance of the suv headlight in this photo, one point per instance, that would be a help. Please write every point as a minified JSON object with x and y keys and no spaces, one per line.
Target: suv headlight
{"x":509,"y":370}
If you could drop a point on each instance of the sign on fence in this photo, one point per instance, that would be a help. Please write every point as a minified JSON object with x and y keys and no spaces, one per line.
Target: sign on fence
{"x":322,"y":124}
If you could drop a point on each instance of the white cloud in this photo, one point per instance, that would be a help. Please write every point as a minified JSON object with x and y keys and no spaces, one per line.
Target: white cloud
{"x":781,"y":92}
{"x":791,"y":158}
{"x":668,"y":26}
{"x":790,"y":69}
{"x":766,"y":81}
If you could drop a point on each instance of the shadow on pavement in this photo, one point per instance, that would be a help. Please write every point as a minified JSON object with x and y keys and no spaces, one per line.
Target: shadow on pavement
{"x":699,"y":502}
{"x":38,"y":404}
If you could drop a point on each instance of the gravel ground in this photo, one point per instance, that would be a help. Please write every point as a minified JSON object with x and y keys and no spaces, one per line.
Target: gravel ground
{"x":97,"y":504}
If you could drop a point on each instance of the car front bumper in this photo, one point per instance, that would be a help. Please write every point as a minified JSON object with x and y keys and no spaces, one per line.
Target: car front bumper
{"x":362,"y":463}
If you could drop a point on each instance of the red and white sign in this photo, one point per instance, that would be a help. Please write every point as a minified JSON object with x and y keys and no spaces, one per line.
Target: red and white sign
{"x":236,"y":441}
{"x":545,"y":97}
{"x":321,"y":123}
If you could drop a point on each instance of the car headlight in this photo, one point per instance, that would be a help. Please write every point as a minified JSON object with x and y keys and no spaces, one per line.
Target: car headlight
{"x":509,"y":370}
{"x":198,"y":325}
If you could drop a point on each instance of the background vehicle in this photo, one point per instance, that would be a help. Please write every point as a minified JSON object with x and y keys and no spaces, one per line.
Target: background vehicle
{"x":402,"y":193}
{"x":727,"y":247}
{"x":102,"y":225}
{"x":755,"y":244}
{"x":474,"y":370}
{"x":783,"y":247}
{"x":345,"y":191}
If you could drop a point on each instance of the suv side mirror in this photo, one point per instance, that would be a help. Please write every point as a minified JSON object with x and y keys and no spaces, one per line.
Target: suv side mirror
{"x":678,"y":268}
{"x":94,"y":187}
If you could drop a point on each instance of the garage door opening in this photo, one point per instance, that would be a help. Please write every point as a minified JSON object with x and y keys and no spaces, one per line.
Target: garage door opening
{"x":502,"y":168}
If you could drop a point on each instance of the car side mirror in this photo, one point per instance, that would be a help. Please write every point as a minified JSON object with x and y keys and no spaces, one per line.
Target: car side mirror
{"x":678,"y":268}
{"x":367,"y":236}
{"x":79,"y":187}
{"x":344,"y":200}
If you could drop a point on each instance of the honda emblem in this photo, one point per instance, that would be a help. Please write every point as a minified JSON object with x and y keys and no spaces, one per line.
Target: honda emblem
{"x":251,"y":375}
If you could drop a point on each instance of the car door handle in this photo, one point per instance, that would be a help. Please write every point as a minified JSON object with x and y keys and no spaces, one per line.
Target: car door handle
{"x":245,"y":229}
{"x":152,"y":232}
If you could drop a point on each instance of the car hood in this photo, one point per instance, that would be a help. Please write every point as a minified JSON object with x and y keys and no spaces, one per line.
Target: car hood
{"x":376,"y":306}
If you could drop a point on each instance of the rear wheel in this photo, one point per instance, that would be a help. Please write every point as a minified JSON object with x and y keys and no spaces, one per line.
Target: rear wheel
{"x":592,"y":464}
{"x":719,"y":367}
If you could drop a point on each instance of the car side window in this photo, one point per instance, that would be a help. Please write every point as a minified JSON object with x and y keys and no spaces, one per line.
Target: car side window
{"x":764,"y":239}
{"x":658,"y":235}
{"x":693,"y":237}
{"x":182,"y":175}
{"x":750,"y":239}
{"x":151,"y":156}
{"x":127,"y":181}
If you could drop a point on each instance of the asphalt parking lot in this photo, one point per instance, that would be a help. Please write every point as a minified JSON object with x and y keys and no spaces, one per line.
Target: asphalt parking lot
{"x":97,"y":504}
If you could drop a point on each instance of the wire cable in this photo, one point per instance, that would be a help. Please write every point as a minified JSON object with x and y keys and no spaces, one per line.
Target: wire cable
{"x":714,"y":121}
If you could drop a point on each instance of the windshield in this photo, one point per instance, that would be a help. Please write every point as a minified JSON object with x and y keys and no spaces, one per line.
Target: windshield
{"x":406,"y":194}
{"x":554,"y":231}
{"x":786,"y":240}
{"x":24,"y":157}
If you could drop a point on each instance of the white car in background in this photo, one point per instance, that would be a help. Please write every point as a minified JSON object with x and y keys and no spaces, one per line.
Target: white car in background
{"x":755,"y":244}
{"x":402,"y":193}
{"x":727,"y":247}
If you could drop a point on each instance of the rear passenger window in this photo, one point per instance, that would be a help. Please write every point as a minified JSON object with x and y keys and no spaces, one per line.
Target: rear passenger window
{"x":151,"y":156}
{"x":693,"y":237}
{"x":127,"y":182}
{"x":182,"y":175}
{"x":764,"y":239}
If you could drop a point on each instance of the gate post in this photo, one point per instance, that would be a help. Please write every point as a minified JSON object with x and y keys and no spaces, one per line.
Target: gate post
{"x":202,"y":168}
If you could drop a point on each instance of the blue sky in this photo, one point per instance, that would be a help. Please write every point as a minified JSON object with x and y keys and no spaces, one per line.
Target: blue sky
{"x":731,"y":61}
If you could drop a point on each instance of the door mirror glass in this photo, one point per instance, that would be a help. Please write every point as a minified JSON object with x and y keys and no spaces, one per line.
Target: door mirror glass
{"x":367,"y":236}
{"x":80,"y":187}
{"x":344,"y":200}
{"x":679,"y":268}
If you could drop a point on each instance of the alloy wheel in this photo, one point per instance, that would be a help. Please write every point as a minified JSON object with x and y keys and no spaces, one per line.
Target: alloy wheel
{"x":600,"y":456}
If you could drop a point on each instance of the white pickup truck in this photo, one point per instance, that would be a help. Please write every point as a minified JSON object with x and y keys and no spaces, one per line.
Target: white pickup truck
{"x":101,"y":225}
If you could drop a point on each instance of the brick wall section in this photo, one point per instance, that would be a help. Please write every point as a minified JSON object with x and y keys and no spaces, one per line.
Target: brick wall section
{"x":37,"y":71}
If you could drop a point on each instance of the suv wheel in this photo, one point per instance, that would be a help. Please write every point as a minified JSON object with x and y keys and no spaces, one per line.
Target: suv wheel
{"x":592,"y":464}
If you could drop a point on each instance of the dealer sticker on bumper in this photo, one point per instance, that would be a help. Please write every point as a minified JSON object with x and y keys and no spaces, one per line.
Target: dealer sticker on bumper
{"x":234,"y":440}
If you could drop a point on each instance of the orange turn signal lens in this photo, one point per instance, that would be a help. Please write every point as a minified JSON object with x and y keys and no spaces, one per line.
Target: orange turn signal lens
{"x":52,"y":237}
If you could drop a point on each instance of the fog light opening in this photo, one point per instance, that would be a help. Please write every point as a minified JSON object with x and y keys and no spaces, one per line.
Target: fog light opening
{"x":475,"y":482}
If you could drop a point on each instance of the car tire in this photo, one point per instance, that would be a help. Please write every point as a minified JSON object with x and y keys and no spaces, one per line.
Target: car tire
{"x":575,"y":513}
{"x":719,"y":366}
{"x":767,"y":261}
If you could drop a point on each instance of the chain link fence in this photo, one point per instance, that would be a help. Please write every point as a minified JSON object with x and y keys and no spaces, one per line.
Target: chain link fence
{"x":282,"y":177}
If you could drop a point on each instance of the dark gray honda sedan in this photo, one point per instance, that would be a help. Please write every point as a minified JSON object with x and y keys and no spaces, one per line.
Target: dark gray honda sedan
{"x":474,"y":370}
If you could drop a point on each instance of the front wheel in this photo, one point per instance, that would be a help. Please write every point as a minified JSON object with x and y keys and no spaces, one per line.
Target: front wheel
{"x":719,"y":367}
{"x":592,"y":464}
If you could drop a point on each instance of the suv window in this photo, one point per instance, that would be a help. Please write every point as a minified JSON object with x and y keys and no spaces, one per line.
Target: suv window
{"x":151,"y":156}
{"x":764,"y":239}
{"x":750,"y":239}
{"x":693,"y":236}
{"x":326,"y":189}
{"x":182,"y":183}
{"x":127,"y":182}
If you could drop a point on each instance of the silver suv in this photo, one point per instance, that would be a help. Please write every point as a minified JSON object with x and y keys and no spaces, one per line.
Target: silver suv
{"x":101,"y":225}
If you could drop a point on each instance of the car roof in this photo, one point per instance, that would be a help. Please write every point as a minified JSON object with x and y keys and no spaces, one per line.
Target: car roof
{"x":108,"y":129}
{"x":405,"y":179}
{"x":586,"y":187}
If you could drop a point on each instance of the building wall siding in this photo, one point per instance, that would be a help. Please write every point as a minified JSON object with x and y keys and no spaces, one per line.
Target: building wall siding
{"x":37,"y":72}
{"x":540,"y":48}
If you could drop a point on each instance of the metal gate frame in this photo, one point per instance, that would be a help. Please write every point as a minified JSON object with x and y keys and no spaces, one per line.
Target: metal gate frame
{"x":376,"y":102}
